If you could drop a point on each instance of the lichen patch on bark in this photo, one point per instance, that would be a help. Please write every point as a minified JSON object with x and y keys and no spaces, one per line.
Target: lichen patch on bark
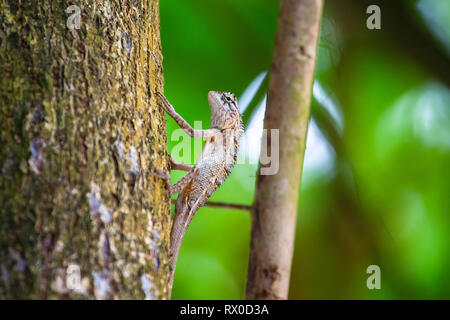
{"x":79,"y":127}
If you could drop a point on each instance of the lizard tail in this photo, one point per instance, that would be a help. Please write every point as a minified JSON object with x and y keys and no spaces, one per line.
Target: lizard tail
{"x":180,"y":224}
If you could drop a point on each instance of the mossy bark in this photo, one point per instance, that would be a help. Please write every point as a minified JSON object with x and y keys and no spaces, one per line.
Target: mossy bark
{"x":80,"y":128}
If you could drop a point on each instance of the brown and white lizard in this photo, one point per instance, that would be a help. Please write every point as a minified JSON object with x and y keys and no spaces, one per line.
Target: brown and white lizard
{"x":212,"y":167}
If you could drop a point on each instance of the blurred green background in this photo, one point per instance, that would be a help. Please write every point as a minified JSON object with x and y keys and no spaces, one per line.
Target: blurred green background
{"x":376,"y":179}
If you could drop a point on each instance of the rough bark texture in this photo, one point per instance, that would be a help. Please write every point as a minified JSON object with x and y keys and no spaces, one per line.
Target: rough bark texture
{"x":79,"y":127}
{"x":288,"y":105}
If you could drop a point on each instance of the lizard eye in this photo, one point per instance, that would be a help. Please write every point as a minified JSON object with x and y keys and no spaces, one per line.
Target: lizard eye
{"x":228,"y":98}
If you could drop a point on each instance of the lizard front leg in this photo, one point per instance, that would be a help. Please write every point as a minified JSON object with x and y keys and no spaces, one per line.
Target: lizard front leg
{"x":179,"y":166}
{"x":177,"y":187}
{"x":193,"y":133}
{"x":180,"y":184}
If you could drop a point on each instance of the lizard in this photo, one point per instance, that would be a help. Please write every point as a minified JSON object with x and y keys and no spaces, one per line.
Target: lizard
{"x":212,"y":167}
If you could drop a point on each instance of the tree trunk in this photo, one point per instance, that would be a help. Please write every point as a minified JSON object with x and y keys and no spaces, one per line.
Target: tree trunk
{"x":275,"y":207}
{"x":80,"y":215}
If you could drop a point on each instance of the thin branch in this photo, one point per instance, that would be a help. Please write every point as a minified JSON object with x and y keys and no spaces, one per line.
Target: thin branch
{"x":229,"y":205}
{"x":225,"y":205}
{"x":288,"y":109}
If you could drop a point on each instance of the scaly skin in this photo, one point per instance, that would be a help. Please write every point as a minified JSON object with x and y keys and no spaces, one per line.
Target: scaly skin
{"x":212,"y":167}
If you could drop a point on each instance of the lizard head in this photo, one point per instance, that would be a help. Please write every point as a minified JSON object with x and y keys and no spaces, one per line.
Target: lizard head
{"x":224,"y":110}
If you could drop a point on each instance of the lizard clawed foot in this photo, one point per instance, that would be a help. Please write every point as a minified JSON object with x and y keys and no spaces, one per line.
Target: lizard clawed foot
{"x":162,"y":175}
{"x":172,"y":161}
{"x":166,"y":104}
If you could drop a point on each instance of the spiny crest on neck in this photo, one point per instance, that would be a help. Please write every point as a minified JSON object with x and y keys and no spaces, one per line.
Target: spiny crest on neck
{"x":224,"y":110}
